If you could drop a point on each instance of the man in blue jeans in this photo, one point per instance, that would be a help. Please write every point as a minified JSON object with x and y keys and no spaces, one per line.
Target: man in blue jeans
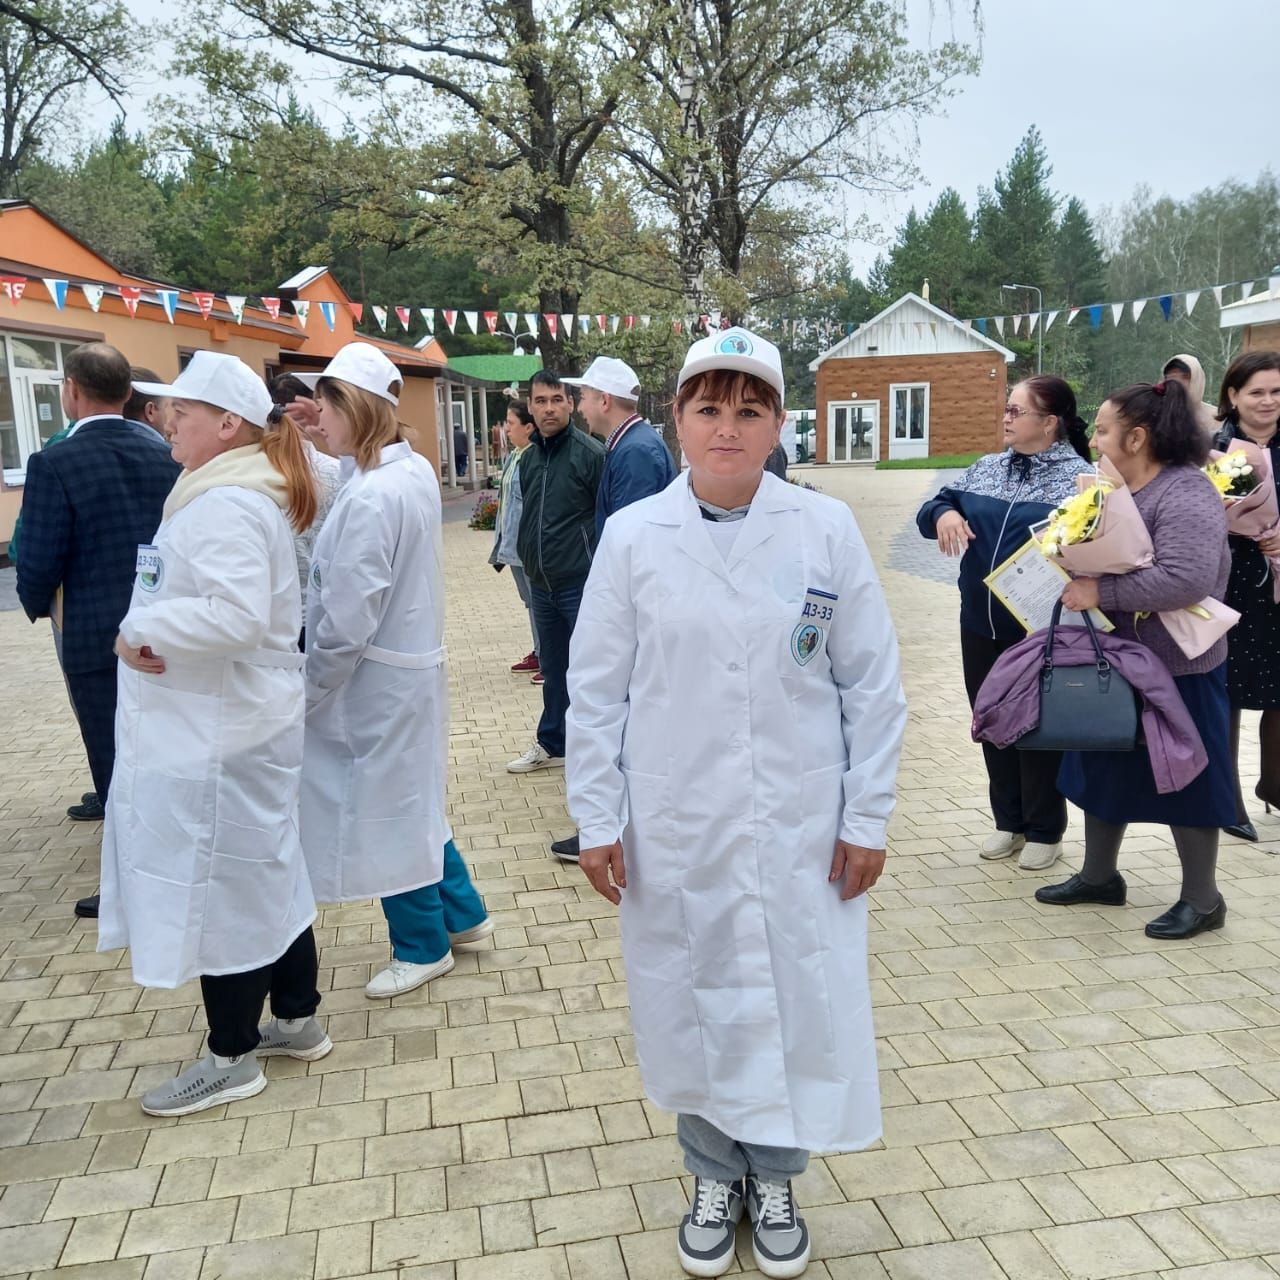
{"x":559,"y":480}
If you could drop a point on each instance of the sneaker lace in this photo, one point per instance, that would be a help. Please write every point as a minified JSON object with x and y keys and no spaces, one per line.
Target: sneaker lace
{"x":534,"y":754}
{"x":711,"y":1203}
{"x":775,"y":1203}
{"x":400,"y":968}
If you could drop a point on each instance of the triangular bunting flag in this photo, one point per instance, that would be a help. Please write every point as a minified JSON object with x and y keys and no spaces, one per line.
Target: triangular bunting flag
{"x":428,"y":315}
{"x":302,"y":309}
{"x":982,"y":326}
{"x":601,"y":321}
{"x":204,"y":300}
{"x":473,"y":320}
{"x":1095,"y":315}
{"x":380,"y":317}
{"x":1217,"y":294}
{"x":584,"y":324}
{"x":169,"y":301}
{"x":675,"y":326}
{"x":236,"y":302}
{"x":1246,"y":289}
{"x":1032,"y":320}
{"x":130,"y":295}
{"x":14,"y":287}
{"x":1050,"y":317}
{"x":92,"y":295}
{"x":1071,"y":315}
{"x":552,"y":322}
{"x":999,"y":324}
{"x":57,"y":291}
{"x":614,"y":322}
{"x":491,"y":321}
{"x":512,"y":318}
{"x":357,"y":311}
{"x":531,"y":322}
{"x":330,"y":312}
{"x":628,"y":323}
{"x":1190,"y":299}
{"x":1117,"y":311}
{"x":1139,"y":306}
{"x":451,"y":319}
{"x":644,"y":321}
{"x":404,"y":316}
{"x":1166,"y":305}
{"x":273,"y":307}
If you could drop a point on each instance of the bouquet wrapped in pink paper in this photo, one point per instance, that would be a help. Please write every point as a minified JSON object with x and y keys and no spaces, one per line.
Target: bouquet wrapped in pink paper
{"x":1244,"y":478}
{"x":1101,"y":530}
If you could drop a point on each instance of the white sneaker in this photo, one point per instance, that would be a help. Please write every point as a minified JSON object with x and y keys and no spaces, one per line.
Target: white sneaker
{"x":476,"y":933}
{"x":401,"y":976}
{"x":537,"y":757}
{"x":1001,"y":844}
{"x":1039,"y":857}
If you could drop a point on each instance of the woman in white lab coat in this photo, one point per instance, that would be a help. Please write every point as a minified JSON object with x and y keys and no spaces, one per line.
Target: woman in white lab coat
{"x":735,"y":721}
{"x":202,"y":868}
{"x":373,"y":779}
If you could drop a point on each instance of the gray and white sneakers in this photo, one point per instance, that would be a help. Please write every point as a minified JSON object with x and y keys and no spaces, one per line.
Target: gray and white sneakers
{"x":779,"y":1238}
{"x":206,"y":1085}
{"x":307,"y":1042}
{"x":705,"y":1239}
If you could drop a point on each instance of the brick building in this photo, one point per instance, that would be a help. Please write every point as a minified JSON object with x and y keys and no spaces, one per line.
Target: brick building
{"x":912,"y":382}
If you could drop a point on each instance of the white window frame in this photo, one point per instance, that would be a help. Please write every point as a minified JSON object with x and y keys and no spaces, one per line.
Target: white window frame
{"x":832,"y":406}
{"x":905,"y":437}
{"x":27,"y":427}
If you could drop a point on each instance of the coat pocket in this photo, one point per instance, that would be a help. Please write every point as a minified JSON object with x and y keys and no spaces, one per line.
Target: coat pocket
{"x":649,"y":841}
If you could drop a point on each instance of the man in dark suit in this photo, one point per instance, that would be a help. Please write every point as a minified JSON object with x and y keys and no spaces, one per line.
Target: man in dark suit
{"x":88,"y":503}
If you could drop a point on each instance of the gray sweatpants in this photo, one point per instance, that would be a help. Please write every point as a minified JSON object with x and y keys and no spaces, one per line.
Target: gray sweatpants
{"x":708,"y":1153}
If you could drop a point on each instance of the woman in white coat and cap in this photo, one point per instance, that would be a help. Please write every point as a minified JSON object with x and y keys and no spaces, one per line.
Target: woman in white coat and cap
{"x":734,"y":727}
{"x":202,"y":867}
{"x":373,"y":780}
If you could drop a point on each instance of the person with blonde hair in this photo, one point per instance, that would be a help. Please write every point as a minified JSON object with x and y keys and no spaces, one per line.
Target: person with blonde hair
{"x":202,"y":867}
{"x":373,"y":778}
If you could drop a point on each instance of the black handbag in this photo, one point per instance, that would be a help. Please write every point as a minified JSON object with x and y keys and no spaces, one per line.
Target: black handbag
{"x":1085,"y":708}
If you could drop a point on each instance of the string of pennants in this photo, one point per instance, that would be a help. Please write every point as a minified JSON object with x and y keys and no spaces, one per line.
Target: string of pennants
{"x":510,"y":323}
{"x":1133,"y":307}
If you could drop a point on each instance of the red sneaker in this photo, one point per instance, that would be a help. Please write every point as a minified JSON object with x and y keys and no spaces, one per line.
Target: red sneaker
{"x":537,"y":678}
{"x":528,"y":663}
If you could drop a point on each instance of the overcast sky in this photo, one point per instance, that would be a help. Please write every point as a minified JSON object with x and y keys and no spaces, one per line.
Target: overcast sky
{"x":1177,"y":94}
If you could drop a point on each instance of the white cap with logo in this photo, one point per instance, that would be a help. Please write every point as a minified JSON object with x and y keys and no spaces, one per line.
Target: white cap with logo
{"x":225,"y":382}
{"x":361,"y":365}
{"x":738,"y":349}
{"x":613,"y":377}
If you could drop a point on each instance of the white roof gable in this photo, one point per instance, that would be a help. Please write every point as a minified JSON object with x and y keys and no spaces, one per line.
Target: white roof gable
{"x":1257,"y":308}
{"x":912,"y":327}
{"x":303,"y":278}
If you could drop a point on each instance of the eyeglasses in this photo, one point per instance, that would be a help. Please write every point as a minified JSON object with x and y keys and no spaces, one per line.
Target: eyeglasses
{"x":1015,"y":412}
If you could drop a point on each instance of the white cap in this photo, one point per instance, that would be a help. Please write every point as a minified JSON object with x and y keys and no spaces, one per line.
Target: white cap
{"x":613,"y":377}
{"x":738,"y":349}
{"x":362,"y":365}
{"x":225,"y":382}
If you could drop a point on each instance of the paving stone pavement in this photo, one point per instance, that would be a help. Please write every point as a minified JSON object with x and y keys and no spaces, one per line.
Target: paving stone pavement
{"x":1063,"y":1097}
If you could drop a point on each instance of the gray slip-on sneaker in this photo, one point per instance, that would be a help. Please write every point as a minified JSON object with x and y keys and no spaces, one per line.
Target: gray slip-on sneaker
{"x":309,"y":1042}
{"x":206,"y":1085}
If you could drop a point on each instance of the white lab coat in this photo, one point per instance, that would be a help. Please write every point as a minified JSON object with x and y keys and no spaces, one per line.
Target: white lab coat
{"x":373,"y":778}
{"x":202,"y":867}
{"x":729,"y":767}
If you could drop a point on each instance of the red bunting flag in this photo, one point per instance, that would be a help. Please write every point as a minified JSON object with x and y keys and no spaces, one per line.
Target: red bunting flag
{"x":130,"y":295}
{"x":14,"y":287}
{"x":204,"y":301}
{"x":357,"y":311}
{"x":402,"y":314}
{"x":629,"y":322}
{"x":451,"y":319}
{"x":273,"y":307}
{"x":601,"y":321}
{"x":551,"y":320}
{"x":491,"y":319}
{"x":675,"y":326}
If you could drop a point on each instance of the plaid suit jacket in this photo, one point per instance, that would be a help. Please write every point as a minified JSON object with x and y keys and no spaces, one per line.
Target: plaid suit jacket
{"x":87,"y":503}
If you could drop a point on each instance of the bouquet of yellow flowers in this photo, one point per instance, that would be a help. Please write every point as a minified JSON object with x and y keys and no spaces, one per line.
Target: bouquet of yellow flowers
{"x":1101,"y":531}
{"x":1252,"y":509}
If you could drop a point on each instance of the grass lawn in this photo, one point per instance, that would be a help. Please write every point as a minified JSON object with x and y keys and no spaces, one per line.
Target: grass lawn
{"x":939,"y":462}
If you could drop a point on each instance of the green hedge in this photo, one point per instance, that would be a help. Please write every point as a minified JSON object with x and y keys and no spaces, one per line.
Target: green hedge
{"x":939,"y":462}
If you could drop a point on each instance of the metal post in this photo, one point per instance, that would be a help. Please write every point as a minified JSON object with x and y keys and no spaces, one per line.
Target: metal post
{"x":1039,"y":321}
{"x":469,"y":425}
{"x":448,"y":434}
{"x":483,"y":416}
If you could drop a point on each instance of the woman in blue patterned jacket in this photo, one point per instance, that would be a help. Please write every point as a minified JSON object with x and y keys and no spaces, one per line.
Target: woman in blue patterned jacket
{"x":984,"y":517}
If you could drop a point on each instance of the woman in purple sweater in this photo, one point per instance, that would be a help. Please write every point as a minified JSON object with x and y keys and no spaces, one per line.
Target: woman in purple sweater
{"x":1151,"y":436}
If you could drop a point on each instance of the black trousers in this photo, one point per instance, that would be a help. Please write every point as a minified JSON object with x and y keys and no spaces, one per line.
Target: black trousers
{"x":1024,"y":784}
{"x":233,"y":1001}
{"x":93,"y":699}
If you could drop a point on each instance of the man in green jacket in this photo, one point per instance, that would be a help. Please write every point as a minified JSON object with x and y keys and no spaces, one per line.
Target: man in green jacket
{"x":559,"y":478}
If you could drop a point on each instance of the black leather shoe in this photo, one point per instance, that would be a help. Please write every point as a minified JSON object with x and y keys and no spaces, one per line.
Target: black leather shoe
{"x":1069,"y":892}
{"x":90,"y":810}
{"x":1182,"y":920}
{"x":87,"y":908}
{"x":89,"y":797}
{"x":1242,"y":831}
{"x":566,"y":850}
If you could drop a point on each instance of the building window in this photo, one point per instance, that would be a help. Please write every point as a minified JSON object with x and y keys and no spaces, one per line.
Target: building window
{"x":30,"y":398}
{"x":909,"y":404}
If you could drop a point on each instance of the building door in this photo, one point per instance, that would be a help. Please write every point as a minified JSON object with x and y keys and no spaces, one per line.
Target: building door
{"x":853,"y":431}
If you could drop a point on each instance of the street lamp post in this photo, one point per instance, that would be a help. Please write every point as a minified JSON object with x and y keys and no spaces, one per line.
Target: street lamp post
{"x":1039,"y":322}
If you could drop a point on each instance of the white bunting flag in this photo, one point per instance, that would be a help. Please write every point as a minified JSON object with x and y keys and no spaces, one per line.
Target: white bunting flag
{"x":1049,"y":318}
{"x":380,"y":315}
{"x":1071,"y":315}
{"x":512,"y":318}
{"x":236,"y":302}
{"x":1246,"y":289}
{"x":1191,"y":299}
{"x":169,"y":301}
{"x":999,"y":324}
{"x":57,"y":291}
{"x":93,"y":295}
{"x":644,"y":321}
{"x":405,"y":316}
{"x":1032,"y":320}
{"x":584,"y":324}
{"x":1139,"y":306}
{"x":302,"y":309}
{"x":1117,"y":311}
{"x":473,"y":319}
{"x":566,"y":323}
{"x":614,"y":322}
{"x":531,"y":322}
{"x":1217,"y":294}
{"x":428,"y":315}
